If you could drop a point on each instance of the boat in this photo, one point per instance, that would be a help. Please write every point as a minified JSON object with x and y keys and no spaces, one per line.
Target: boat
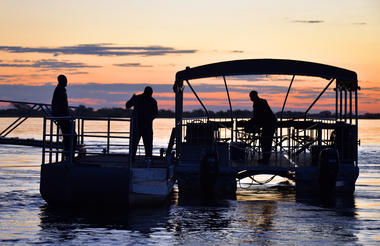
{"x":100,"y":172}
{"x":318,"y":155}
{"x":208,"y":155}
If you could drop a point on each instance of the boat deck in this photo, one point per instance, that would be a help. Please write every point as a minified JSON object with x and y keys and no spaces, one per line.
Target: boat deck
{"x":247,"y":164}
{"x":278,"y":164}
{"x":119,"y":160}
{"x":276,"y":161}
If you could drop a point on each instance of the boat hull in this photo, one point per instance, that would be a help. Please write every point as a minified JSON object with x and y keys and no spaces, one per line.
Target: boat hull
{"x":62,"y":184}
{"x":307,"y":179}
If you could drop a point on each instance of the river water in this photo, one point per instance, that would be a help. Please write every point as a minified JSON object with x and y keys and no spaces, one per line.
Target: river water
{"x":261,"y":215}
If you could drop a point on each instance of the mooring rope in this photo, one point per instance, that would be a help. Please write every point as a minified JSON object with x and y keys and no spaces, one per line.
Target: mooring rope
{"x":262,"y":182}
{"x":256,"y":181}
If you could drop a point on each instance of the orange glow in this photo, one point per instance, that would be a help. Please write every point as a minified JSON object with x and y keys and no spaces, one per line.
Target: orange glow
{"x":89,"y":101}
{"x":4,"y":104}
{"x":344,"y":37}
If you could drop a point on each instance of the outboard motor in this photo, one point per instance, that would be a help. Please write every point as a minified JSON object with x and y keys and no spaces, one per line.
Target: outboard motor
{"x":328,"y":170}
{"x":208,"y":173}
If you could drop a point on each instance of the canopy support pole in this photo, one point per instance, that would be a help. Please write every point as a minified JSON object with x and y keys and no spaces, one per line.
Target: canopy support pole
{"x":229,"y":102}
{"x":340,"y":104}
{"x":320,"y":94}
{"x":350,"y":107}
{"x":336,"y":103}
{"x":199,"y":100}
{"x":178,"y":89}
{"x":286,"y":97}
{"x":345,"y":105}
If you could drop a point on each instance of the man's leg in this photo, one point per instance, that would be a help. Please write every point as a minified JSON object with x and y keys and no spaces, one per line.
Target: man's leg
{"x":75,"y":140}
{"x":148,"y":142}
{"x":266,"y":145}
{"x":65,"y":129}
{"x":69,"y":137}
{"x":266,"y":142}
{"x":135,"y":142}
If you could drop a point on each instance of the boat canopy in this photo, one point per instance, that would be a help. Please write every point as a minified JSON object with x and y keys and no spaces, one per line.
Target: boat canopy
{"x":345,"y":79}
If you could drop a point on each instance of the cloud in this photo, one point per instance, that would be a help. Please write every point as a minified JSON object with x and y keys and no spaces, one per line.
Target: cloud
{"x":307,"y":94}
{"x":131,"y":65}
{"x":5,"y":104}
{"x":19,"y":60}
{"x":22,"y":78}
{"x":6,"y":77}
{"x":88,"y":101}
{"x":308,"y":21}
{"x":47,"y":63}
{"x":98,"y":50}
{"x":237,"y":51}
{"x":76,"y":73}
{"x":371,"y":88}
{"x":359,"y":23}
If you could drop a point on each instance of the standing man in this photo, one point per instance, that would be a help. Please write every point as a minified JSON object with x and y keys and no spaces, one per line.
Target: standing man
{"x":144,"y":112}
{"x":264,"y":118}
{"x":60,"y":108}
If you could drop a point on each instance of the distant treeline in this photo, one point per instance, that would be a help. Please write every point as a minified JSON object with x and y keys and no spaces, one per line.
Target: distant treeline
{"x":20,"y":109}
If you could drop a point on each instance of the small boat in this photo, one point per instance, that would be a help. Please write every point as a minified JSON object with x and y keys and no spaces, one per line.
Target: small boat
{"x":319,"y":155}
{"x":96,"y":176}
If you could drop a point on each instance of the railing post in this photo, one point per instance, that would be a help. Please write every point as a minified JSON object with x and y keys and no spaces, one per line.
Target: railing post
{"x":78,"y":129}
{"x":319,"y":136}
{"x":82,"y":132}
{"x":108,"y":135}
{"x":51,"y":142}
{"x":293,"y":144}
{"x":350,"y":107}
{"x":281,"y":141}
{"x":276,"y":142}
{"x":43,"y":140}
{"x":57,"y":144}
{"x":345,"y":105}
{"x":130,"y":155}
{"x":336,"y":104}
{"x":340,"y":105}
{"x":71,"y":138}
{"x":289,"y":142}
{"x":356,"y":123}
{"x":130,"y":142}
{"x":178,"y":89}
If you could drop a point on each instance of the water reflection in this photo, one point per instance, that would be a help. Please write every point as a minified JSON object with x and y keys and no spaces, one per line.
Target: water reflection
{"x":62,"y":225}
{"x":257,"y":216}
{"x":142,"y":220}
{"x":333,"y":201}
{"x":263,"y":215}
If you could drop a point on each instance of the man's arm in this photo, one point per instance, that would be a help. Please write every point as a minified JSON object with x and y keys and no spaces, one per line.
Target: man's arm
{"x":131,"y":102}
{"x":155,"y":109}
{"x":60,"y":105}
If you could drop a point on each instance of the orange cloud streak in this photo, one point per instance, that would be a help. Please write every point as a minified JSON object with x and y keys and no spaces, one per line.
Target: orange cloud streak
{"x":4,"y":104}
{"x":88,"y":101}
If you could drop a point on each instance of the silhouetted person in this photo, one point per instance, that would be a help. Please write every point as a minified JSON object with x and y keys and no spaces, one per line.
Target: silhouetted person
{"x":60,"y":108}
{"x":263,"y":118}
{"x":144,"y":112}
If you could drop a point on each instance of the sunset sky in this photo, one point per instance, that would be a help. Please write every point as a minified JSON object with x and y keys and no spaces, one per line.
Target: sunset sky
{"x":111,"y":49}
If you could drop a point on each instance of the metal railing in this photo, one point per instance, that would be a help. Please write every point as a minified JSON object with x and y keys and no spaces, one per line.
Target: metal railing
{"x":295,"y":139}
{"x":30,"y":108}
{"x":87,"y":141}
